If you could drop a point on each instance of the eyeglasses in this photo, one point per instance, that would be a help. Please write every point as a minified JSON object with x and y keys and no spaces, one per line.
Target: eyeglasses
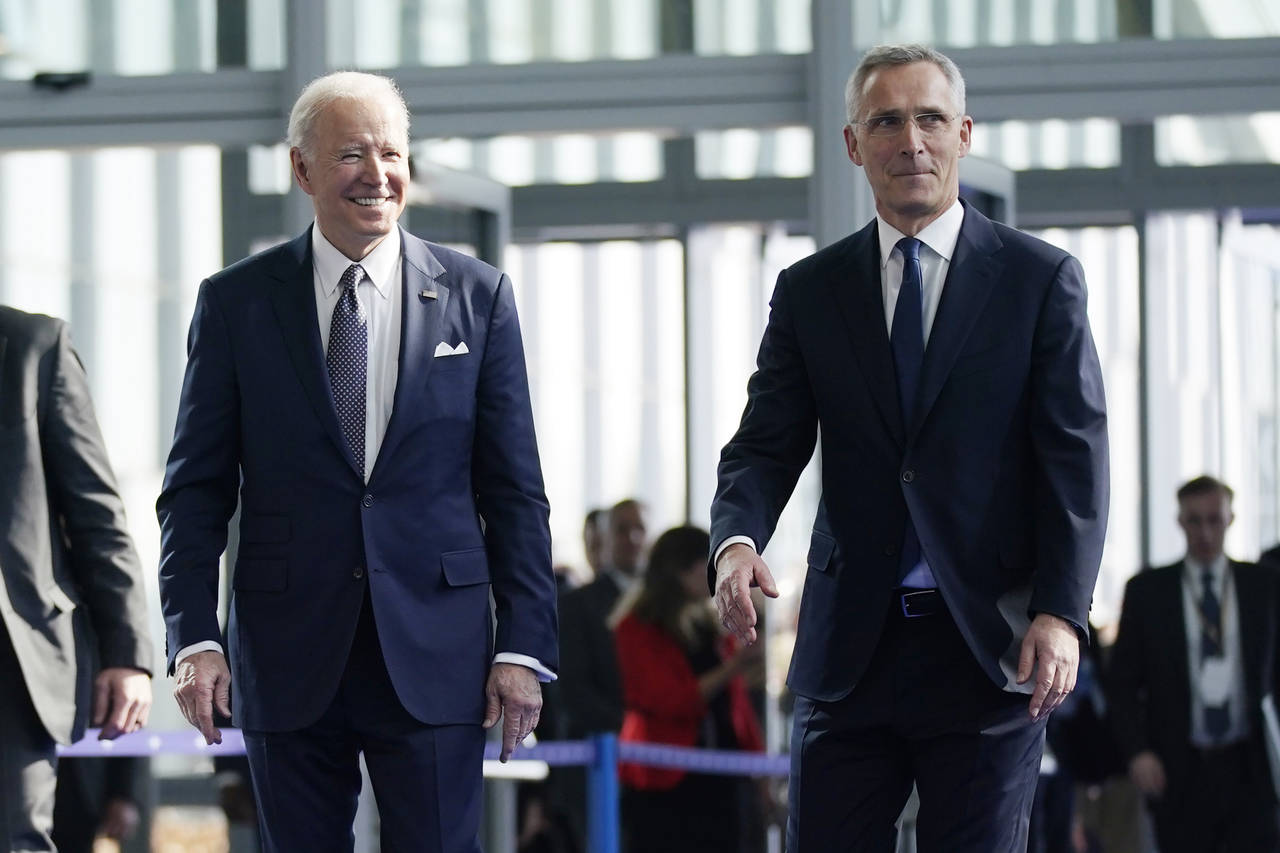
{"x":892,"y":125}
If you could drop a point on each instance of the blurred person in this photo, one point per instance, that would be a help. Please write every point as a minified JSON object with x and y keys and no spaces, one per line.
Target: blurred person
{"x":947,"y":363}
{"x":363,"y":394}
{"x":1271,"y":557}
{"x":96,"y":799}
{"x":1194,"y":658}
{"x":684,"y":682}
{"x":588,"y":697}
{"x":595,"y":538}
{"x":74,"y":648}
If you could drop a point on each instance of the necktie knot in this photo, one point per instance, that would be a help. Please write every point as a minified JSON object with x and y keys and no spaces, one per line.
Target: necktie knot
{"x":910,"y":249}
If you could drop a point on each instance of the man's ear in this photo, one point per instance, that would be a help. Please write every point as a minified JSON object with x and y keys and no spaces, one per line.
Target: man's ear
{"x":851,"y":145}
{"x":300,"y":173}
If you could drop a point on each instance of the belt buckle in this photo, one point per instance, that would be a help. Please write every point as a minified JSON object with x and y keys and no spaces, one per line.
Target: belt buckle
{"x":906,"y":602}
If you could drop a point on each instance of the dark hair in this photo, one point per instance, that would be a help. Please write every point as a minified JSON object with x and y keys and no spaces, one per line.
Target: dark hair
{"x":595,"y":518}
{"x":661,"y":598}
{"x":1204,"y":485}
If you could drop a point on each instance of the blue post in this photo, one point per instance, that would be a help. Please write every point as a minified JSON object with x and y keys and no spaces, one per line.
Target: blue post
{"x":602,"y":795}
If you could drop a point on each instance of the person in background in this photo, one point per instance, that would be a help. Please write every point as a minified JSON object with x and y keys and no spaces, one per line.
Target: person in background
{"x":684,"y":682}
{"x":74,"y":644}
{"x":1195,"y":657}
{"x":589,"y":696}
{"x":96,"y":799}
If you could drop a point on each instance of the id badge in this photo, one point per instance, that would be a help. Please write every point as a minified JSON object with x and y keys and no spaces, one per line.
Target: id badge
{"x":1215,"y":681}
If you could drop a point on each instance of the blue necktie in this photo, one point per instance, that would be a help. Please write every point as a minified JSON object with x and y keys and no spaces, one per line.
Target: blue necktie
{"x":1217,"y":718}
{"x":348,"y":362}
{"x":906,"y":340}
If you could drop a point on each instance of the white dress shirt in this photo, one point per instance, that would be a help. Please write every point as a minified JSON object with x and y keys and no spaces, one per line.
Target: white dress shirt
{"x":1192,"y":591}
{"x":939,"y":238}
{"x":381,"y":295}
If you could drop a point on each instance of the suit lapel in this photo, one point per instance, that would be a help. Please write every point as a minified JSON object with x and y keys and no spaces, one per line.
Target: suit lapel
{"x":972,"y":273}
{"x":1171,"y":601}
{"x":294,"y":300}
{"x":421,"y":324}
{"x":856,"y":288}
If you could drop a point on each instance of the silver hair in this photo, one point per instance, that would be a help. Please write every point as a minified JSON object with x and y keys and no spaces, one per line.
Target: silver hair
{"x":321,"y":92}
{"x":898,"y":54}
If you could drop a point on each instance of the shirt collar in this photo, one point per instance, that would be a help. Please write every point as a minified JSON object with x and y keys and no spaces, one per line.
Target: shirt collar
{"x":940,"y":235}
{"x":379,"y":265}
{"x":1195,"y":569}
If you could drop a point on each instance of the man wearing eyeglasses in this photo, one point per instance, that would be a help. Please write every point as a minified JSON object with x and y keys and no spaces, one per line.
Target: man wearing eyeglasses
{"x":949,"y":363}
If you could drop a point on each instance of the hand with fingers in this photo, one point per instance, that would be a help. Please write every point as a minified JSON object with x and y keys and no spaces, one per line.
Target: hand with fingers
{"x":201,"y":682}
{"x":1051,"y":649}
{"x":1146,"y":770}
{"x":738,"y":569}
{"x":514,"y":696}
{"x":121,"y":701}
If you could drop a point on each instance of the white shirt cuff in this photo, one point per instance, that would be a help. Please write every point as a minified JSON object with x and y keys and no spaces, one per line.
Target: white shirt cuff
{"x":544,"y":674}
{"x":733,"y":540}
{"x":202,"y":646}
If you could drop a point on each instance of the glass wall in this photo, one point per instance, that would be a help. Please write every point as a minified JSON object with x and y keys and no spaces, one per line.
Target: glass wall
{"x":1215,"y":140}
{"x":974,"y":23}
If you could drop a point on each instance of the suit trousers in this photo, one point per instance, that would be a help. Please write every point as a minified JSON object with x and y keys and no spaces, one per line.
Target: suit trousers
{"x":28,"y":762}
{"x":1223,"y":805}
{"x":924,"y":712}
{"x":427,"y":779}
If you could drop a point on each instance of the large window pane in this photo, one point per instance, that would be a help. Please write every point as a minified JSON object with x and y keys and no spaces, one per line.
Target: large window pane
{"x":603,"y":325}
{"x":1110,"y":260}
{"x":740,"y":153}
{"x":1053,"y":144}
{"x":1215,"y":140}
{"x":1174,"y":19}
{"x":973,"y":23}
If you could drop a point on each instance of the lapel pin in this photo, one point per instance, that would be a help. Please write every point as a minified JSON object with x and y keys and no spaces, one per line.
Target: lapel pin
{"x":427,"y":294}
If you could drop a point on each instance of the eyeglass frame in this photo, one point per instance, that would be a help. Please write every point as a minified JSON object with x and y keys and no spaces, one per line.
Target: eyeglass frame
{"x":913,"y":119}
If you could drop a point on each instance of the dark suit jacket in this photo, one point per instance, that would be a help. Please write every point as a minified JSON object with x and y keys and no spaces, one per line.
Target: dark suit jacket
{"x":72,"y":591}
{"x":1004,"y":470}
{"x":590,"y":687}
{"x":454,"y":507}
{"x":1271,"y":557}
{"x":1150,"y":679}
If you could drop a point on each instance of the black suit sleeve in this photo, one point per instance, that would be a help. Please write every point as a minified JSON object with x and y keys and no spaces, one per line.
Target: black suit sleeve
{"x":83,"y":493}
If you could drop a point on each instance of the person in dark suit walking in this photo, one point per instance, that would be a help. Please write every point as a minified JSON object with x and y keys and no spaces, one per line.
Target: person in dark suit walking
{"x":1194,"y":658}
{"x":74,"y":644}
{"x":363,"y":394}
{"x":948,"y":361}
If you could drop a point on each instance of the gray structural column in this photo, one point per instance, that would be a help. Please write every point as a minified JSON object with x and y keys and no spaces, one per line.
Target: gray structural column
{"x":306,"y":33}
{"x":839,"y":199}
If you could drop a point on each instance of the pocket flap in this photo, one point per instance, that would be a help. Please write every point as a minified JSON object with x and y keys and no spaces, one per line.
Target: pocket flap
{"x":464,"y":568}
{"x":261,"y":575}
{"x":821,"y":547}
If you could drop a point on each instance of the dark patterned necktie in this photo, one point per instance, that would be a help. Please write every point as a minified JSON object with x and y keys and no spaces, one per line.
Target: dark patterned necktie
{"x":1217,"y":718}
{"x":348,"y":362}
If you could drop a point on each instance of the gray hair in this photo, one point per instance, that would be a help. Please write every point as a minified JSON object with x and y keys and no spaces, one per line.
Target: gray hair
{"x":321,"y":92}
{"x":898,"y":54}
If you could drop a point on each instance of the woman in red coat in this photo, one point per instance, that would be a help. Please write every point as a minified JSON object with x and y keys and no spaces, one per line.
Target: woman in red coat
{"x":683,"y":683}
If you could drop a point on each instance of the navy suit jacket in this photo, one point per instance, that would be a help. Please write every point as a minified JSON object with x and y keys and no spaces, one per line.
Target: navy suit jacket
{"x":454,"y":508}
{"x":1004,"y":470}
{"x":1150,"y":678}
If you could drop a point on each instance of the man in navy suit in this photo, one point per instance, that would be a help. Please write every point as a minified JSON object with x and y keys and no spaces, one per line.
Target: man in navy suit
{"x":363,"y":393}
{"x":949,"y":364}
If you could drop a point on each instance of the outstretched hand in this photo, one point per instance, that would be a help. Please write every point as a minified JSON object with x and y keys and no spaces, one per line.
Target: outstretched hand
{"x":738,"y":569}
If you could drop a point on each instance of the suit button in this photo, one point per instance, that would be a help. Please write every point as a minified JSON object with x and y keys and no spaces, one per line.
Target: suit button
{"x":907,"y":476}
{"x":368,"y":500}
{"x":357,"y":572}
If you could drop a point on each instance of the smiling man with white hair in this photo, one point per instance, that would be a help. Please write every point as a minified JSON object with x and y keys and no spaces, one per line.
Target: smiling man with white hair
{"x":363,"y":394}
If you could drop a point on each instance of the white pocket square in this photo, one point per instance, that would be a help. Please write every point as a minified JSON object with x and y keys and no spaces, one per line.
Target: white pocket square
{"x":443,"y":349}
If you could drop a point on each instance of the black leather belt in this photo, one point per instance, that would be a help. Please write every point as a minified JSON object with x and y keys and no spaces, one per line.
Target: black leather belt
{"x":914,"y":603}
